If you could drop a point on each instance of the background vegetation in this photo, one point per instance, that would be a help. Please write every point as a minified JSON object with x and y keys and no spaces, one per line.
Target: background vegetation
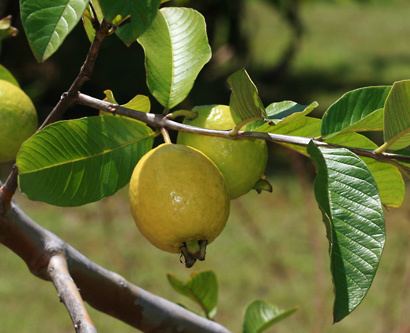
{"x":274,"y":246}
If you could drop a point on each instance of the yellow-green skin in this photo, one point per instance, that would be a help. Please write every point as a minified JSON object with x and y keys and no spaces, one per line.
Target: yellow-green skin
{"x":177,"y":195}
{"x":18,"y":120}
{"x":242,"y":162}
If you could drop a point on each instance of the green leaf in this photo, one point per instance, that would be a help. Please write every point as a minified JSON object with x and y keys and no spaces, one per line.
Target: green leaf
{"x":109,"y":96}
{"x":389,"y":181}
{"x":281,"y":110}
{"x":139,"y":103}
{"x":71,"y":163}
{"x":352,"y":211}
{"x":388,"y":177}
{"x":176,"y":48}
{"x":87,"y":20}
{"x":92,"y":13}
{"x":7,"y":76}
{"x":294,"y":125}
{"x":245,"y":102}
{"x":397,"y":116}
{"x":202,"y":288}
{"x":142,"y":13}
{"x":357,"y":110}
{"x":48,"y":22}
{"x":259,"y":316}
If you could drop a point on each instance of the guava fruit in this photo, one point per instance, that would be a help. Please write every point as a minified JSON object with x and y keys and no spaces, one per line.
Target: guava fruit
{"x":179,"y":200}
{"x":242,"y":162}
{"x":18,"y":120}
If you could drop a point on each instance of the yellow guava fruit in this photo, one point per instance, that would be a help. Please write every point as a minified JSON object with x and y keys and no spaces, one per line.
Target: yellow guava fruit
{"x":18,"y":120}
{"x":179,"y":200}
{"x":242,"y":162}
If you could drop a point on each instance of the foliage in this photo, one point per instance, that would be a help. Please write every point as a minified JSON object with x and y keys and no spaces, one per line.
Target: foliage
{"x":71,"y":163}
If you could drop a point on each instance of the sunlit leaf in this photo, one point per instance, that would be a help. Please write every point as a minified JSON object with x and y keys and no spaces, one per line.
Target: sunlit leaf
{"x":357,"y":110}
{"x":48,"y":22}
{"x":352,"y":211}
{"x":388,"y":177}
{"x":202,"y":288}
{"x":397,"y":116}
{"x":139,"y":103}
{"x":176,"y":48}
{"x":245,"y":102}
{"x":71,"y":163}
{"x":282,"y":110}
{"x":260,"y":316}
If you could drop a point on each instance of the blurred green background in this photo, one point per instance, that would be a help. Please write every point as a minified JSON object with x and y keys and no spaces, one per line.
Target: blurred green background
{"x":274,"y":247}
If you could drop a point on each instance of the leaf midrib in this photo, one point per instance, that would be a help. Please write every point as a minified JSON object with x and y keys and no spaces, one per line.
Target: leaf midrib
{"x":105,"y":152}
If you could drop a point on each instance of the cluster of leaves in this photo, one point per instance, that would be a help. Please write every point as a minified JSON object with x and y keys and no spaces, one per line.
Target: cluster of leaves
{"x":75,"y":162}
{"x":202,"y":288}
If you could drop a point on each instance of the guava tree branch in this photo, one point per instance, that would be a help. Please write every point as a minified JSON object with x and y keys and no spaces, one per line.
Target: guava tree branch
{"x":69,"y":294}
{"x":104,"y":290}
{"x":67,"y":99}
{"x":161,"y":121}
{"x":50,"y":258}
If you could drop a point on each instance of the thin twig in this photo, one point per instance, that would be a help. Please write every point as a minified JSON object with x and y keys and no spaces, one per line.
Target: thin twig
{"x":67,"y":100}
{"x":69,"y":294}
{"x":160,"y":121}
{"x":106,"y":291}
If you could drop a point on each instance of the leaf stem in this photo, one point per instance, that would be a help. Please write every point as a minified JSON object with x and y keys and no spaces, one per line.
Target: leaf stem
{"x":382,"y":148}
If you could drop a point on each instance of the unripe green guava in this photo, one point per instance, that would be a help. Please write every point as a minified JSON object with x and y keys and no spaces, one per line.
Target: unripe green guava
{"x":242,"y":162}
{"x":18,"y":120}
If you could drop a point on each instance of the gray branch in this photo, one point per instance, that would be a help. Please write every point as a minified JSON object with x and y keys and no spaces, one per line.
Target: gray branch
{"x":161,"y":121}
{"x":104,"y":290}
{"x":69,"y":294}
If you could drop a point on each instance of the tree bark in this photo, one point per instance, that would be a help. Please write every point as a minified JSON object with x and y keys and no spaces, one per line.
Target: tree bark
{"x":106,"y":291}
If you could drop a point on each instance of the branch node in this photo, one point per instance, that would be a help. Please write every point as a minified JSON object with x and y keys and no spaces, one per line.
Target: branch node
{"x":64,"y":95}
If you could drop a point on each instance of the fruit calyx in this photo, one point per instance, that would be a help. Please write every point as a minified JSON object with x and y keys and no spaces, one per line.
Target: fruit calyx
{"x":192,"y":251}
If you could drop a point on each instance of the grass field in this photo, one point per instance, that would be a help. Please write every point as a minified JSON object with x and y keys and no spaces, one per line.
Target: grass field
{"x":274,"y":246}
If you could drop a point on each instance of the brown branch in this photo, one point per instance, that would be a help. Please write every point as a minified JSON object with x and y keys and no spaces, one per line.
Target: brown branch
{"x":161,"y":121}
{"x":69,"y":294}
{"x":104,"y":290}
{"x":67,"y":100}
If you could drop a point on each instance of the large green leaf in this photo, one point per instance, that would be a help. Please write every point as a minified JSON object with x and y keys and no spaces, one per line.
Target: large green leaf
{"x":176,"y":48}
{"x":259,"y":316}
{"x":202,"y":288}
{"x":388,"y":177}
{"x":357,"y":110}
{"x":397,"y":116}
{"x":245,"y":102}
{"x":141,"y":12}
{"x":352,"y":211}
{"x":71,"y":163}
{"x":48,"y":22}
